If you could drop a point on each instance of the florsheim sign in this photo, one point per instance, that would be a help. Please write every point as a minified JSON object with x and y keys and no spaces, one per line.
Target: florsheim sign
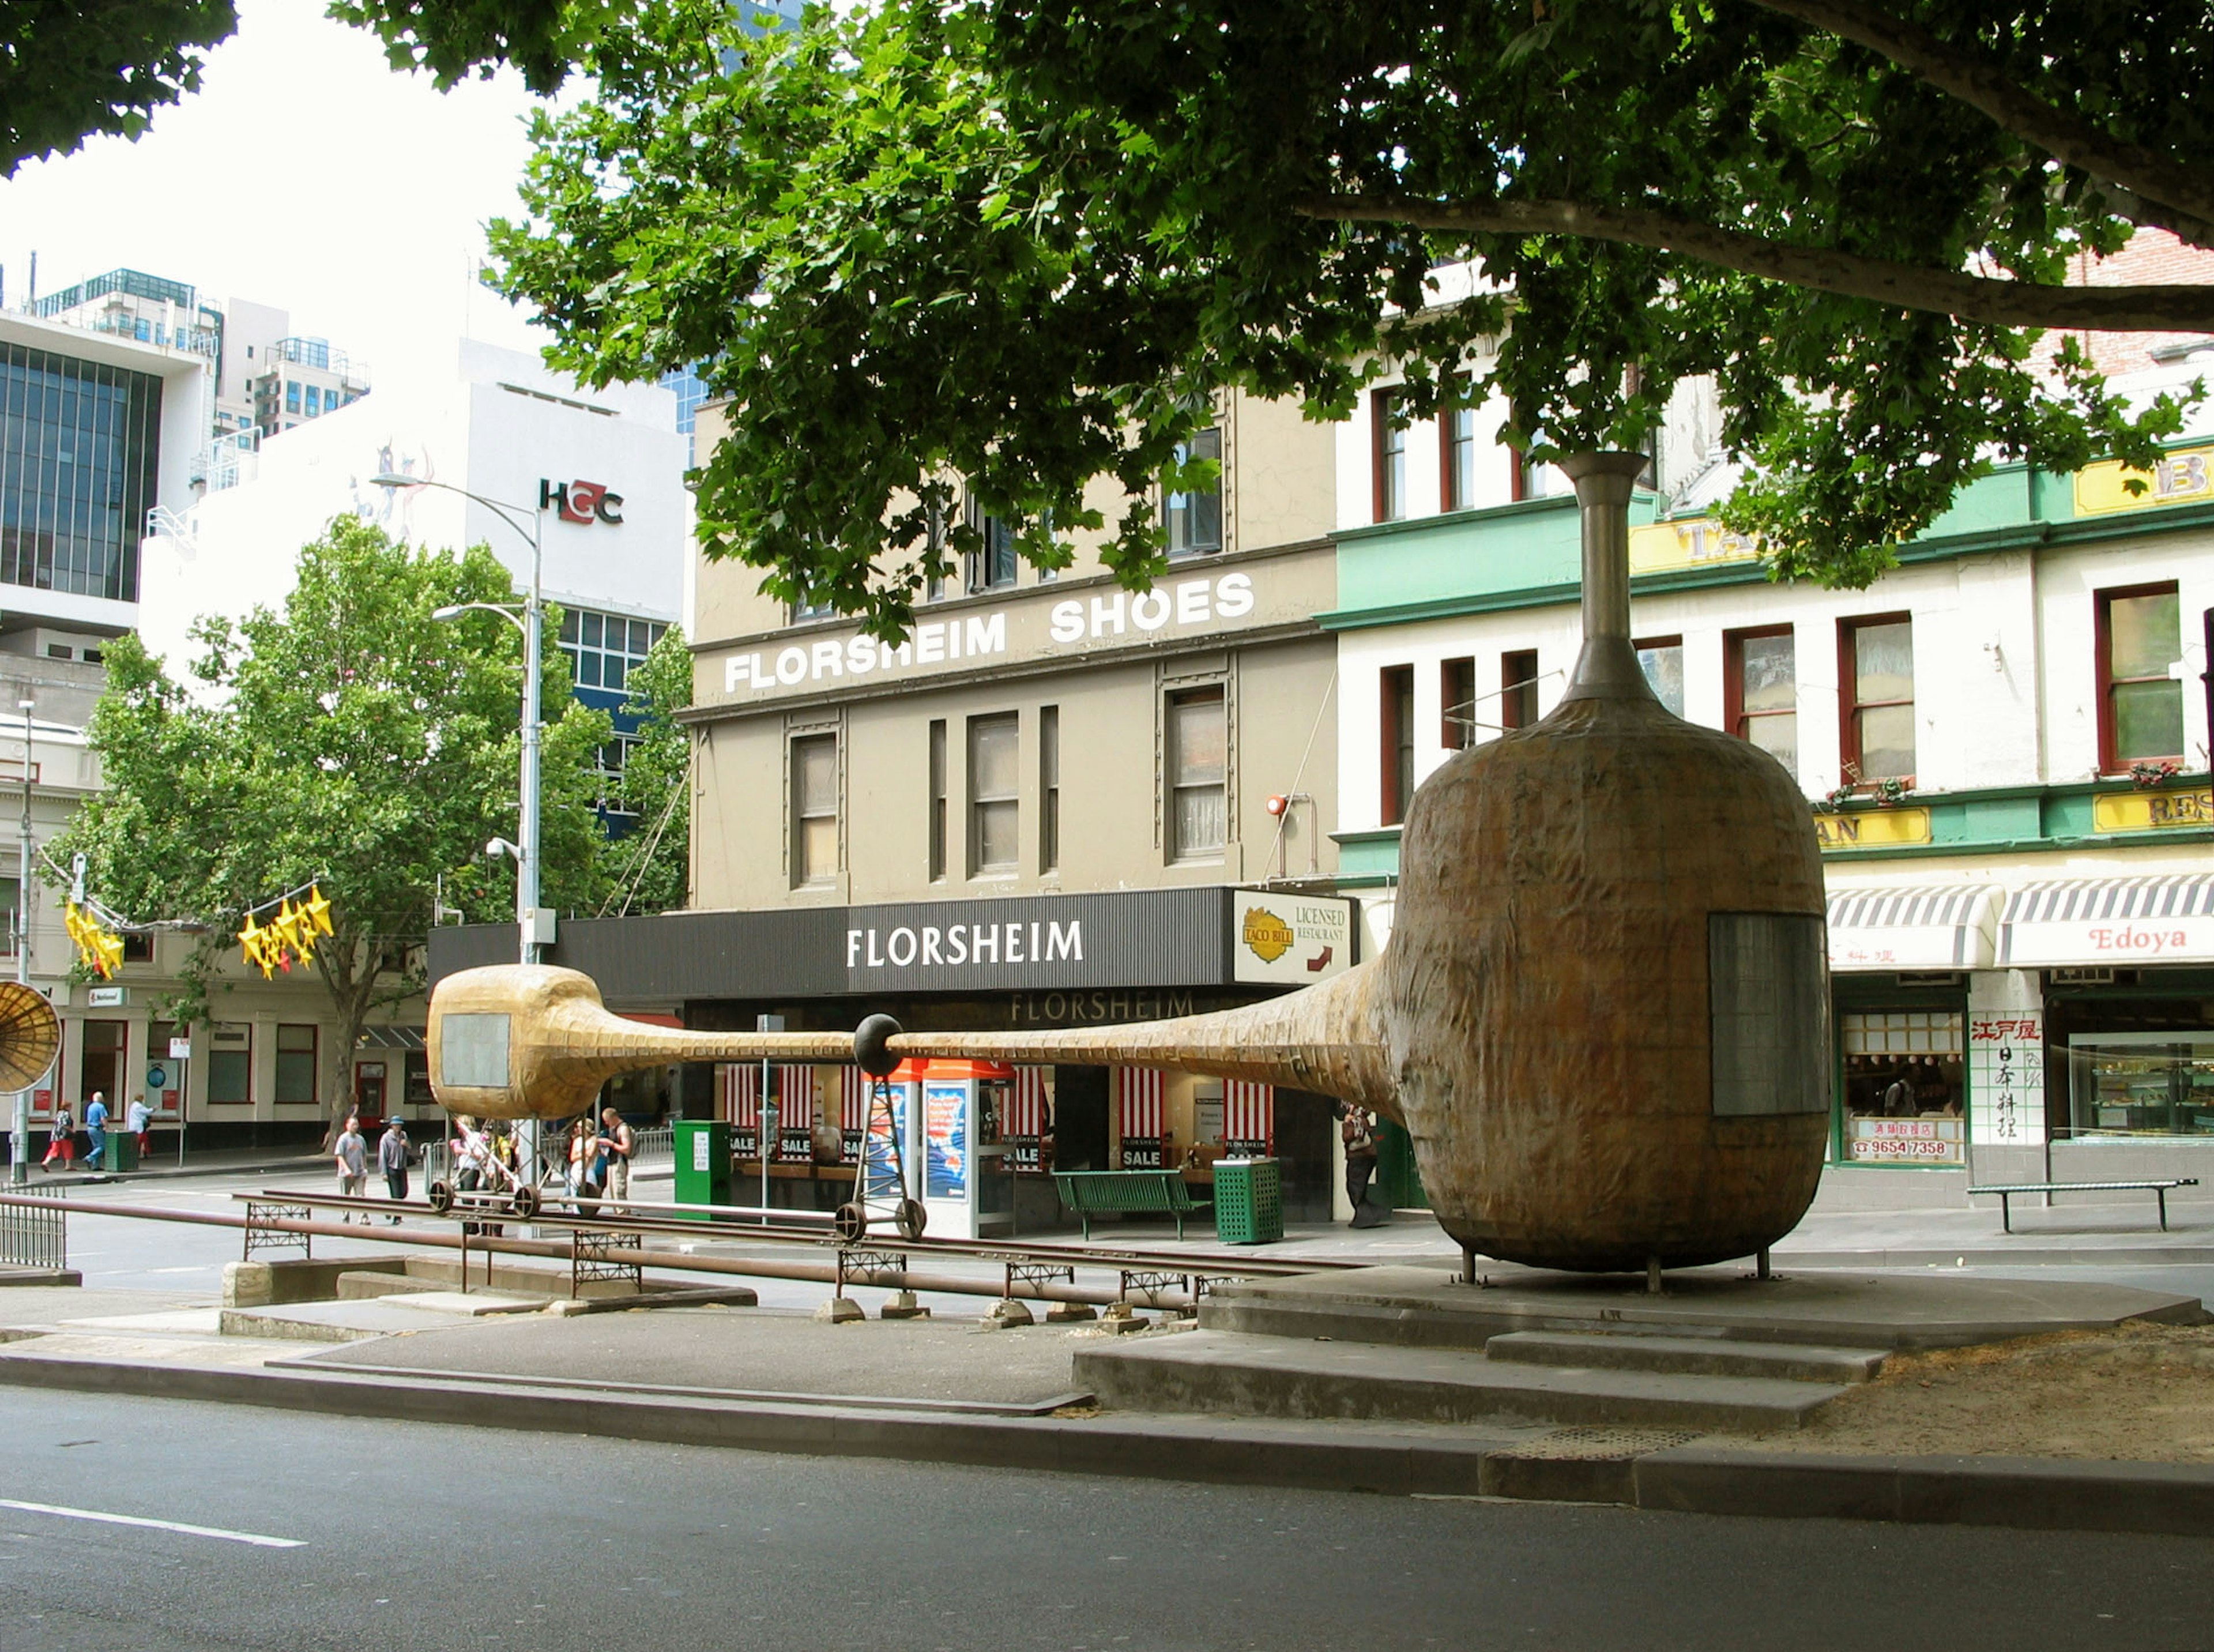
{"x":1203,"y":937}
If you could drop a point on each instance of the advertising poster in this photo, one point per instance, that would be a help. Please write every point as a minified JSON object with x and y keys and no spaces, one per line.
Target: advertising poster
{"x":946,"y":1140}
{"x":882,"y":1120}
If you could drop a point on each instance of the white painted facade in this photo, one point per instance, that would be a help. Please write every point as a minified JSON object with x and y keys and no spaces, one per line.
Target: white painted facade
{"x":493,"y":421}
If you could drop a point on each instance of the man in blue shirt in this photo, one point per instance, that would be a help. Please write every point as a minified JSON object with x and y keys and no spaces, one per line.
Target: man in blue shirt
{"x":96,"y":1131}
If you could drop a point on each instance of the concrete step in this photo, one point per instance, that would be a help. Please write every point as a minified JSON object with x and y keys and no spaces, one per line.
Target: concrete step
{"x":1695,"y":1356}
{"x":1290,"y":1377}
{"x":365,"y":1287}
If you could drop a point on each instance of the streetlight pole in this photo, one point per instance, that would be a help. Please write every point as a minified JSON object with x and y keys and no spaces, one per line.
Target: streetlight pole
{"x":525,"y":848}
{"x":19,"y":1156}
{"x":531,"y":623}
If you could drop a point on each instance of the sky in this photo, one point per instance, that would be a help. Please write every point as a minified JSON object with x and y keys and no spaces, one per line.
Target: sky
{"x":306,"y":174}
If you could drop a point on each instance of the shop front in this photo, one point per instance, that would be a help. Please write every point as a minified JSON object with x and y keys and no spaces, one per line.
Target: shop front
{"x":982,"y":1139}
{"x":2127,"y":966}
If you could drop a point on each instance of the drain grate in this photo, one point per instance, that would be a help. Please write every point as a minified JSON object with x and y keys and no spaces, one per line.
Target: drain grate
{"x":1603,"y":1444}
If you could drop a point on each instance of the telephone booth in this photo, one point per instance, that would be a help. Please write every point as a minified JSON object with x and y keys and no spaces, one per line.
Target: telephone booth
{"x":952,"y":1116}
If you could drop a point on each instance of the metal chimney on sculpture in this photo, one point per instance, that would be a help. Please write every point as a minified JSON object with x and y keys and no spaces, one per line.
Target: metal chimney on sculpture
{"x":1603,"y":1016}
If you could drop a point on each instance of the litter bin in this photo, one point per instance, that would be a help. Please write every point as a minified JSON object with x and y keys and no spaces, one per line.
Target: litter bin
{"x":1249,"y":1201}
{"x":122,"y":1148}
{"x":703,"y":1162}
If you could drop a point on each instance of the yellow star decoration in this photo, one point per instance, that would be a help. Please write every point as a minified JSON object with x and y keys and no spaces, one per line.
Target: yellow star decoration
{"x":98,"y":948}
{"x":253,"y":942}
{"x":290,"y":936}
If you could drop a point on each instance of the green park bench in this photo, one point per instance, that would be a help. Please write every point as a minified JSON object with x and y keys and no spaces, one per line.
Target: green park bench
{"x":1090,"y":1192}
{"x":2159,"y":1189}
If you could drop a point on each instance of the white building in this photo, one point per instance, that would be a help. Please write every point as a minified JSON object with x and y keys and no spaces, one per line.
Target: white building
{"x":2003,"y":741}
{"x":597,"y":474}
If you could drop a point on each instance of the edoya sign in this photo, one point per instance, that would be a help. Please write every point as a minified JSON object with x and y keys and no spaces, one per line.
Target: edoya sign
{"x":1109,"y":617}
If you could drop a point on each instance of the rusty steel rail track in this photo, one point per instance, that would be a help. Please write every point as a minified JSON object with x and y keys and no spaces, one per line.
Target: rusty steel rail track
{"x":737,"y":1223}
{"x":1146,"y":1276}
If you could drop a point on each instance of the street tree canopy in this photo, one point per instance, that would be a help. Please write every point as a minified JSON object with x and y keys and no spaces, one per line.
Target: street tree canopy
{"x":1024,"y":244}
{"x":350,"y":740}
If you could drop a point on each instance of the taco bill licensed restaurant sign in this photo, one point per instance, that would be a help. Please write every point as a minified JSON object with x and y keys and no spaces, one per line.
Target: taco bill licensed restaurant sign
{"x":1291,"y":940}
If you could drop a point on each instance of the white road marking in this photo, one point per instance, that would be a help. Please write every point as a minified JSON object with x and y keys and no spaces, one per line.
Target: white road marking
{"x":254,"y":1537}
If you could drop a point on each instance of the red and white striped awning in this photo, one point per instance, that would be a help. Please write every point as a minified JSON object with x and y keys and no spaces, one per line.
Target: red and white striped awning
{"x":1141,"y":1111}
{"x":1248,"y":1112}
{"x":737,"y":1087}
{"x":853,"y":1098}
{"x":1026,"y":1107}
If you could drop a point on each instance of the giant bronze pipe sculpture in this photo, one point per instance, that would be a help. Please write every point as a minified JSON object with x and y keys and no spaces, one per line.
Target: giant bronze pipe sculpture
{"x":1603,"y":1016}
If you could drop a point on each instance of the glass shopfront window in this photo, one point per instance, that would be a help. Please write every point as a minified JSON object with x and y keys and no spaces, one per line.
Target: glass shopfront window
{"x":1905,"y":1090}
{"x":2142,"y":1083}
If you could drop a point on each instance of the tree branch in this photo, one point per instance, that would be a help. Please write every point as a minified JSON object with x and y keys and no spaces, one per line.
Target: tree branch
{"x":2179,"y":198}
{"x":1908,"y":286}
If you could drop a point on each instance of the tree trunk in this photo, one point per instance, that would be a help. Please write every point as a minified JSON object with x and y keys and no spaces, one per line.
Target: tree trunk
{"x":350,"y":977}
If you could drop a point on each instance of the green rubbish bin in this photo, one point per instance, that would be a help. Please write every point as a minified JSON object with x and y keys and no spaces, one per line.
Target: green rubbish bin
{"x":703,"y":1162}
{"x":122,"y":1148}
{"x":1249,"y":1201}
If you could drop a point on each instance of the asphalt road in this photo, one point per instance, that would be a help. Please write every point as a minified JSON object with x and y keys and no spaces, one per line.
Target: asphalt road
{"x":417,"y":1537}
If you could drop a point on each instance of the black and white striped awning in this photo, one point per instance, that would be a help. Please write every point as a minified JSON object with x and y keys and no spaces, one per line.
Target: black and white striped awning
{"x":1917,"y":927}
{"x":2094,"y":920}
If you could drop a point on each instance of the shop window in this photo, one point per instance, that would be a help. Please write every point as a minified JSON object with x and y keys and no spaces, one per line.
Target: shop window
{"x":1397,"y":687}
{"x":1876,"y":666}
{"x":296,"y":1066}
{"x":1661,"y":659}
{"x":992,"y":564}
{"x":1194,"y":518}
{"x":11,"y":894}
{"x":1518,"y":697}
{"x":815,"y":809}
{"x":1391,"y":454}
{"x":1198,"y":766}
{"x":1456,"y":458}
{"x":230,"y":1062}
{"x":1457,"y":704}
{"x":1049,"y":788}
{"x":102,"y":1066}
{"x":1905,"y":1087}
{"x":1527,"y":478}
{"x":2140,"y":638}
{"x":1761,"y":686}
{"x":937,"y":799}
{"x":2142,"y":1083}
{"x":994,"y":794}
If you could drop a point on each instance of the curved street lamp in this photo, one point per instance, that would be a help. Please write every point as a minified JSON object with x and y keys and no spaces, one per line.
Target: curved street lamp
{"x":530,"y":622}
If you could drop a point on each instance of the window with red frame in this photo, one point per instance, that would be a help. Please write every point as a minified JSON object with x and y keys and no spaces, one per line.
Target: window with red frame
{"x":1760,"y":691}
{"x":1397,"y":683}
{"x":1518,"y":689}
{"x":2140,"y":636}
{"x":1457,"y":704}
{"x":1456,"y":458}
{"x":1875,"y":664}
{"x":1391,"y":443}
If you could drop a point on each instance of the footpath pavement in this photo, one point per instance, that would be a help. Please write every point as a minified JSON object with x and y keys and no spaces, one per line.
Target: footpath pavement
{"x":945,"y":1390}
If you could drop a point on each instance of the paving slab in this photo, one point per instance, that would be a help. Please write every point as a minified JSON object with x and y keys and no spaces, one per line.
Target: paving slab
{"x":1424,"y":1306}
{"x":752,"y":1349}
{"x":333,"y":1322}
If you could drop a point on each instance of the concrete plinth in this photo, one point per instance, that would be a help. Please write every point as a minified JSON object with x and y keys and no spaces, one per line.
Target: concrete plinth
{"x":1008,"y":1313}
{"x":1429,"y":1307}
{"x":903,"y":1306}
{"x":840,"y":1311}
{"x":1070,"y":1313}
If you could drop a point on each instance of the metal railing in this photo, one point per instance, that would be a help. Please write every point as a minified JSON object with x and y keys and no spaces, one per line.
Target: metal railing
{"x":32,"y":1237}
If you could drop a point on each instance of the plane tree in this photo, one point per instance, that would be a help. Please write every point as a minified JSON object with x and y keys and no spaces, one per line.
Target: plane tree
{"x":345,"y":739}
{"x":1026,"y":243}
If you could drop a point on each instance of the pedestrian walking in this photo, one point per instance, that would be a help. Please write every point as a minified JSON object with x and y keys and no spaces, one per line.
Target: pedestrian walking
{"x":392,"y":1155}
{"x":352,"y":1156}
{"x":1357,"y":1129}
{"x":95,"y":1132}
{"x":62,"y":1144}
{"x":618,"y":1143}
{"x":141,"y":1121}
{"x":582,"y":1150}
